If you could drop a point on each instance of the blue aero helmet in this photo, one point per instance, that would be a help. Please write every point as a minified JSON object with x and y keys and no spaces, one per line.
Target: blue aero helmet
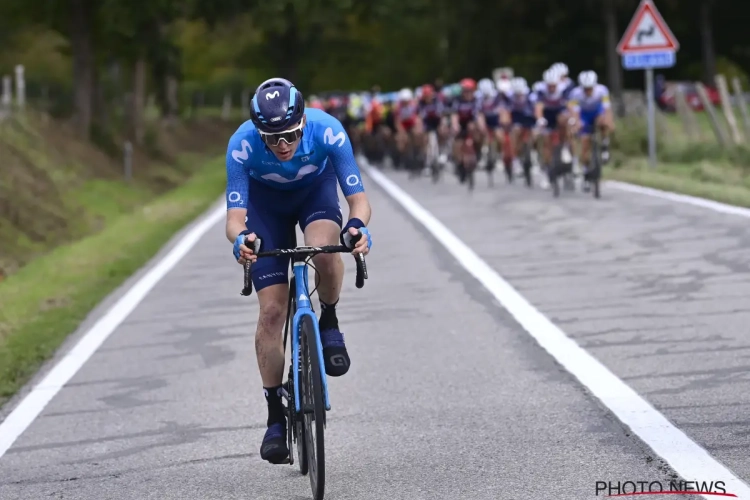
{"x":276,"y":106}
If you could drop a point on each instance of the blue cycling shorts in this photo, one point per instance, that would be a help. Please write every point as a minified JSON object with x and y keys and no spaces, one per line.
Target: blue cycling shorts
{"x":492,"y":121}
{"x":272,"y":214}
{"x":588,"y":119}
{"x":551,"y":115}
{"x":523,"y":119}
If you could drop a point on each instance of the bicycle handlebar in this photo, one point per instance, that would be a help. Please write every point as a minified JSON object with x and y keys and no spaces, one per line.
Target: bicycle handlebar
{"x":302,"y":251}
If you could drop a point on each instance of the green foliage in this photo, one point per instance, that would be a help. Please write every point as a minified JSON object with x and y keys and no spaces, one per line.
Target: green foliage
{"x":211,"y":46}
{"x":326,"y":44}
{"x":43,"y":303}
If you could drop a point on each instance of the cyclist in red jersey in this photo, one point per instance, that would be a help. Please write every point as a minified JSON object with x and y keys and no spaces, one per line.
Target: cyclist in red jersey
{"x":378,"y":134}
{"x":408,"y":123}
{"x":431,"y":109}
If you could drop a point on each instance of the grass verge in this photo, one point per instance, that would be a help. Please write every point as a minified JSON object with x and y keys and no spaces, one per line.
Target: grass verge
{"x":723,"y":182}
{"x":46,"y":300}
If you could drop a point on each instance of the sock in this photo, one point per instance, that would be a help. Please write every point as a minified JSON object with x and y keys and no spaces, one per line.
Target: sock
{"x":328,"y":319}
{"x":276,"y":412}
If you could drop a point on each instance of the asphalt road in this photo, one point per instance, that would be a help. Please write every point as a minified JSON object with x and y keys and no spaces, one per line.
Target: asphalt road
{"x":448,"y":397}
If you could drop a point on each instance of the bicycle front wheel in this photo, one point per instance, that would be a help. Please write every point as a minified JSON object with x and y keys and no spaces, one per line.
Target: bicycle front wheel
{"x":313,"y":406}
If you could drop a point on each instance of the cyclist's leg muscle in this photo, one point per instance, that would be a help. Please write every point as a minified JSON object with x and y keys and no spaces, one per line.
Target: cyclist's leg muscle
{"x":270,"y":275}
{"x":269,"y":349}
{"x":330,"y":267}
{"x":320,"y":219}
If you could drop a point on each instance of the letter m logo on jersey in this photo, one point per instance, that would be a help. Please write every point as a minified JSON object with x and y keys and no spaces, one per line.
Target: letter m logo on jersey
{"x":329,"y":138}
{"x":241,"y":155}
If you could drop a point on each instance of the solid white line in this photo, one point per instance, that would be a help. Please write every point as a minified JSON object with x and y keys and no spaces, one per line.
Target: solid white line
{"x":32,"y":405}
{"x":687,"y":458}
{"x":681,"y":198}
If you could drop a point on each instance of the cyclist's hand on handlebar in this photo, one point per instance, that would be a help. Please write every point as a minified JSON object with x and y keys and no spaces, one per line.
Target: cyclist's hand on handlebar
{"x":243,"y":248}
{"x":362,"y":244}
{"x":356,"y":236}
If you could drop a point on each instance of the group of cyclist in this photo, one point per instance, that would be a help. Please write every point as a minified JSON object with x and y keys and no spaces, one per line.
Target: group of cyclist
{"x":285,"y":165}
{"x":479,"y":122}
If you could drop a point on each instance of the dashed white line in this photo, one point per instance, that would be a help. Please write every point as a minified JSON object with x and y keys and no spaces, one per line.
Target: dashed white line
{"x":32,"y":405}
{"x":686,"y":457}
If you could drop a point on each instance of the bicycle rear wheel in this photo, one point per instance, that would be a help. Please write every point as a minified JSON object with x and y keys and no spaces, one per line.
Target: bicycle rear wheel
{"x":526,"y":160}
{"x":470,"y":177}
{"x":313,"y":406}
{"x":596,"y":161}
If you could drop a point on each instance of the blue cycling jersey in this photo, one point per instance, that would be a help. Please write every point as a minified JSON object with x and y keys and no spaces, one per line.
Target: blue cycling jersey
{"x":323,"y":141}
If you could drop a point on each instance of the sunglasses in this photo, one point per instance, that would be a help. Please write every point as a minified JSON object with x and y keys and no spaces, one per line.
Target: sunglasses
{"x":288,"y":136}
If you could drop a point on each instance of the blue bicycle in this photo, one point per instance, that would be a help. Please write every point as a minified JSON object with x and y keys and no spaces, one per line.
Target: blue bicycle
{"x":306,"y":388}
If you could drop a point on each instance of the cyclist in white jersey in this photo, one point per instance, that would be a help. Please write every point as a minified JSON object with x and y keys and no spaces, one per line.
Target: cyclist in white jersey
{"x":551,"y":112}
{"x":566,"y":82}
{"x":590,"y":102}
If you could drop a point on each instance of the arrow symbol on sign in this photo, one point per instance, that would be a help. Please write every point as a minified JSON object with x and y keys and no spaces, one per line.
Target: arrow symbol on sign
{"x":647,"y":33}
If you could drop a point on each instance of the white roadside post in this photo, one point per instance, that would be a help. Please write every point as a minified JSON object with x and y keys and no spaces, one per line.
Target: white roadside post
{"x":20,"y":87}
{"x":7,"y":97}
{"x":648,"y":43}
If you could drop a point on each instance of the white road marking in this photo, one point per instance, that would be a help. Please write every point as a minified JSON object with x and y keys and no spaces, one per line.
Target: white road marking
{"x":681,"y":198}
{"x":32,"y":405}
{"x":686,"y":457}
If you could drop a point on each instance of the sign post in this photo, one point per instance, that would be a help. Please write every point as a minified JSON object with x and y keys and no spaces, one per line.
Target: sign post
{"x":648,"y":43}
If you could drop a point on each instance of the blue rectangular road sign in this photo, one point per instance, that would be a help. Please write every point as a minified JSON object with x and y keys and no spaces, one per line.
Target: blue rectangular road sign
{"x":647,"y":60}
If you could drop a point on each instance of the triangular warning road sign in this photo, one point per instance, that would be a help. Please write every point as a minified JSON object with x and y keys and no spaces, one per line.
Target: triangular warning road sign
{"x":647,"y":32}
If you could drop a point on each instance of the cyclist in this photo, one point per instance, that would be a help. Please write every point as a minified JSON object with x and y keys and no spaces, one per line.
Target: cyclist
{"x":465,"y":114}
{"x":521,"y":104}
{"x":431,"y":112}
{"x":315,"y":102}
{"x":503,"y":84}
{"x":566,"y":82}
{"x":550,"y":112}
{"x":375,"y":126}
{"x":590,"y":101}
{"x":492,"y":105}
{"x":408,"y":124}
{"x":282,"y":169}
{"x":336,"y":107}
{"x":355,"y":118}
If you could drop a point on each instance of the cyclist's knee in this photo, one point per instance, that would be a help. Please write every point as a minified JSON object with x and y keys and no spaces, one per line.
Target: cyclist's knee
{"x":272,"y":301}
{"x":323,"y":231}
{"x":327,"y":263}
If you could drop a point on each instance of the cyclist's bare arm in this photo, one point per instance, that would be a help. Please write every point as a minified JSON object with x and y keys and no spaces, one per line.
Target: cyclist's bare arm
{"x":481,"y":122}
{"x":359,"y":207}
{"x":539,"y":110}
{"x":235,"y":222}
{"x":399,"y":126}
{"x":609,"y":118}
{"x":454,"y":121}
{"x":237,"y":193}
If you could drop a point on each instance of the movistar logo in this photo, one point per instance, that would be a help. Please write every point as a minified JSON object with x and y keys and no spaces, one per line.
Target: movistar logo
{"x":272,"y":95}
{"x":329,"y":138}
{"x":241,"y":155}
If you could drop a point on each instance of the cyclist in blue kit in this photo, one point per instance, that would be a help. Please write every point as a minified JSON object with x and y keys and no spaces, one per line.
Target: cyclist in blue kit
{"x":283,"y":166}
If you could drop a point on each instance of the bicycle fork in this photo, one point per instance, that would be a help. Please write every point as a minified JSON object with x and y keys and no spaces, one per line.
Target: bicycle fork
{"x":304,"y":308}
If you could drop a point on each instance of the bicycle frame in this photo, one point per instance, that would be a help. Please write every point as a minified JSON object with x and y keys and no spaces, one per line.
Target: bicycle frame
{"x":304,"y":308}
